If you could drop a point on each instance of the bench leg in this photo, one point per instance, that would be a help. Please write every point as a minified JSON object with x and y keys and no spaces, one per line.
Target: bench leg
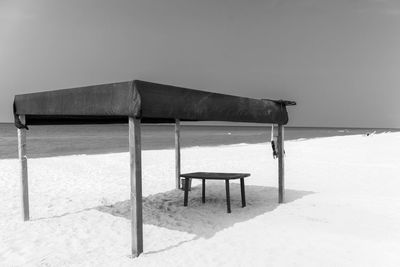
{"x":203,"y":191}
{"x":242,"y":192}
{"x":185,"y":200}
{"x":228,"y":197}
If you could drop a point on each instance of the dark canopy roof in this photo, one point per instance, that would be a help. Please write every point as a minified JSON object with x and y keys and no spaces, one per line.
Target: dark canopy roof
{"x":152,"y":102}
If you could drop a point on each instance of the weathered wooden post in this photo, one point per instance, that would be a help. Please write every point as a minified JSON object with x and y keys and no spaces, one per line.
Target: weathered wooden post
{"x":281,"y":163}
{"x":23,"y":161}
{"x":135,"y":152}
{"x":177,"y":154}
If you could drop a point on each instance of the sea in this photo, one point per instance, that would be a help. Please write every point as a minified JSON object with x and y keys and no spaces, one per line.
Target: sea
{"x":61,"y":140}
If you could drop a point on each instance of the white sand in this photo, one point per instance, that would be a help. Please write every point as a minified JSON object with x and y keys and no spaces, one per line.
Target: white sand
{"x":343,"y":208}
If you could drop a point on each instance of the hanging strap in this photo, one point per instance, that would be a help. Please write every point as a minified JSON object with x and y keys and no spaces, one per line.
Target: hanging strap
{"x":272,"y":132}
{"x":273,"y":145}
{"x":17,"y":121}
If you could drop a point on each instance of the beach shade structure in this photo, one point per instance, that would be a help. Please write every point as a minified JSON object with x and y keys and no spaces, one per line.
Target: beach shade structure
{"x":139,"y":102}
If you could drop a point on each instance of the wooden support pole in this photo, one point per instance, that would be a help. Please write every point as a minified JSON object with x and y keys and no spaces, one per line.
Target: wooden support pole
{"x":177,"y":154}
{"x":135,"y":152}
{"x":23,"y":162}
{"x":281,"y":163}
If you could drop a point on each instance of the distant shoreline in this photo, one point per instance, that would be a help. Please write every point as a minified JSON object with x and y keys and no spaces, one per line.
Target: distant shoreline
{"x":224,"y":124}
{"x":59,"y":140}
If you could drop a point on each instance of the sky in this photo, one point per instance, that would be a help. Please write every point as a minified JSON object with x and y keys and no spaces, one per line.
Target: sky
{"x":340,"y":60}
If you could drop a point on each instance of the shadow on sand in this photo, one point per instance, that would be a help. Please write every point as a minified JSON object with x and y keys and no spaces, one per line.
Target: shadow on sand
{"x":204,"y":220}
{"x":166,"y":209}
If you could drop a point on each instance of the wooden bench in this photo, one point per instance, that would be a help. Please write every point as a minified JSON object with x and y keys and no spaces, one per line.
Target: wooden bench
{"x":215,"y":176}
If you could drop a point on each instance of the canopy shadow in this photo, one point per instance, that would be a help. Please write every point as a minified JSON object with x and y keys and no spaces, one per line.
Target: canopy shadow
{"x":204,"y":220}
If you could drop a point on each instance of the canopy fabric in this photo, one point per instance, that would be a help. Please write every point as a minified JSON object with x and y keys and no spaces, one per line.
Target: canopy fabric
{"x":152,"y":102}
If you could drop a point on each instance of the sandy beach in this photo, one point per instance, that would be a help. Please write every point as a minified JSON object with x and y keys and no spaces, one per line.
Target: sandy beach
{"x":106,"y":105}
{"x":342,"y":207}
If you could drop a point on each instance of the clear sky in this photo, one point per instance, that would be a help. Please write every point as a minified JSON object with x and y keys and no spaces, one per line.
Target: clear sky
{"x":339,"y":59}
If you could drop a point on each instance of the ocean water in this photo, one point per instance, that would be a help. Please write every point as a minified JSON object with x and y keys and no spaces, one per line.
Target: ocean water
{"x":45,"y":141}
